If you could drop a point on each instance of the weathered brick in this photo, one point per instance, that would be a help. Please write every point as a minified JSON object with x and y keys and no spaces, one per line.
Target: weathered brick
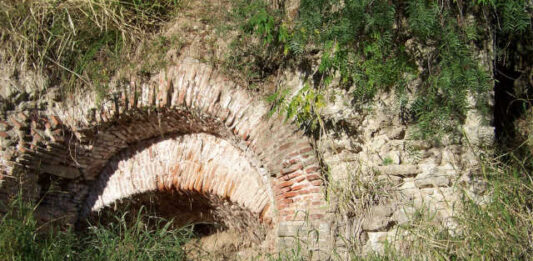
{"x":311,"y":169}
{"x":313,"y":177}
{"x":299,"y":178}
{"x":304,"y":150}
{"x":298,"y":187}
{"x":15,"y":123}
{"x":282,"y":190}
{"x":291,"y":169}
{"x":287,"y":201}
{"x":290,"y":194}
{"x":317,"y":182}
{"x":286,"y":146}
{"x":316,"y":216}
{"x":314,"y":190}
{"x":286,"y":184}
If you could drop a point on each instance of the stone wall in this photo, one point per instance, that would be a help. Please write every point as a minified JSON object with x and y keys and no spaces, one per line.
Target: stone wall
{"x":376,"y":149}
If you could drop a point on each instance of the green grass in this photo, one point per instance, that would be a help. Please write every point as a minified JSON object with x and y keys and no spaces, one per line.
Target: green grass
{"x":146,"y":238}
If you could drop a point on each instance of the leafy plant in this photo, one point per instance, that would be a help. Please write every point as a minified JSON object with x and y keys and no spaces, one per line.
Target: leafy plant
{"x":387,"y":161}
{"x":362,"y":44}
{"x":304,"y":106}
{"x":262,"y":46}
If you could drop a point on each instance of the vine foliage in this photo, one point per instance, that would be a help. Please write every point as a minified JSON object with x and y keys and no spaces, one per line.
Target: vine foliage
{"x":368,"y":46}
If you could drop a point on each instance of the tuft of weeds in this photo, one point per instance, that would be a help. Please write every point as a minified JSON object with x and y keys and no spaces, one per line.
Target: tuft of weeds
{"x":141,"y":237}
{"x":146,"y":238}
{"x":22,"y":239}
{"x":353,"y":197}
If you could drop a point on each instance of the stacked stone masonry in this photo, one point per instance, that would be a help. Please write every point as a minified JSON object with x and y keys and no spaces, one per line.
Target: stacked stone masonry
{"x":411,"y":176}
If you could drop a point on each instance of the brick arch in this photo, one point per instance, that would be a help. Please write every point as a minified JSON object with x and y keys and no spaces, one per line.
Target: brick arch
{"x":77,"y":139}
{"x":197,"y":164}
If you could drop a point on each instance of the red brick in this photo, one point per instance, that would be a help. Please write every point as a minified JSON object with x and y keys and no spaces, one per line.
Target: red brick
{"x":282,"y":190}
{"x":313,"y":177}
{"x":298,"y":187}
{"x":290,"y":194}
{"x":285,"y":146}
{"x":299,"y":179}
{"x":287,"y":201}
{"x":15,"y":123}
{"x":311,"y":169}
{"x":303,"y":192}
{"x":291,"y":169}
{"x":317,"y":182}
{"x":294,"y":175}
{"x":305,"y":150}
{"x":286,"y":184}
{"x":285,"y":177}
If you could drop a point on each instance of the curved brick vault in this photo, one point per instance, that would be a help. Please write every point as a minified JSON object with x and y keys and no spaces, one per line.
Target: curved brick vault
{"x":190,"y":164}
{"x":188,"y":129}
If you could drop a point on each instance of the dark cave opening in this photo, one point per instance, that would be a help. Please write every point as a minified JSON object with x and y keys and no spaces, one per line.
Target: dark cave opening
{"x":203,"y":214}
{"x":508,"y":106}
{"x":159,"y":208}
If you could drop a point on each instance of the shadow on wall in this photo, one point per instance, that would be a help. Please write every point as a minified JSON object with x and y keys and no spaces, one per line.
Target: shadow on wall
{"x":179,"y":178}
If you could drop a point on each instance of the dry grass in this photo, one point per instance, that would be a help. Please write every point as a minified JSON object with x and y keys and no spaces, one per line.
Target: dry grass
{"x":500,"y":228}
{"x":353,"y":197}
{"x":76,"y":43}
